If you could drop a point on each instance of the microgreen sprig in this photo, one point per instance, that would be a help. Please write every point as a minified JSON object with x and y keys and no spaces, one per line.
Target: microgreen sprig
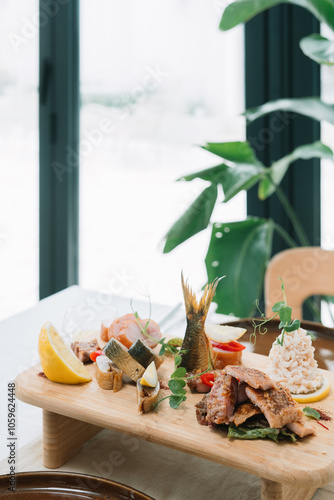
{"x":284,"y":312}
{"x":312,"y":413}
{"x":178,"y":380}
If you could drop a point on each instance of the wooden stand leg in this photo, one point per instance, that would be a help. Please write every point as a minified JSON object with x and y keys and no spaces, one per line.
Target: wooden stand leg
{"x":278,"y":491}
{"x":63,"y":438}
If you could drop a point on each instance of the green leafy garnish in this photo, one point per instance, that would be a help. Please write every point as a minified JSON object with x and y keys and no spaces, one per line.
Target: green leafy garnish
{"x":311,"y":413}
{"x":311,"y":334}
{"x":284,"y":312}
{"x":178,"y":380}
{"x":252,"y":432}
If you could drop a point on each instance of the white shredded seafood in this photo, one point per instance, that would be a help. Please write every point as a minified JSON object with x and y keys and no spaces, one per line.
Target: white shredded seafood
{"x":293,"y":364}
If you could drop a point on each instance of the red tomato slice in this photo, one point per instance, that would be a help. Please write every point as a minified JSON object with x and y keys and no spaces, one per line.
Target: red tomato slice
{"x":232,"y":346}
{"x":95,"y":354}
{"x":208,"y":379}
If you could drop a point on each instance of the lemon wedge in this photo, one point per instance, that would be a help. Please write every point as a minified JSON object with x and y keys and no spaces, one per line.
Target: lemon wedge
{"x":313,"y":397}
{"x":224,"y":333}
{"x":59,"y":362}
{"x":150,"y":376}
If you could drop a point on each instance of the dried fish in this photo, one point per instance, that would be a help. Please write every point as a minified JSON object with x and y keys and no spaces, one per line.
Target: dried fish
{"x":121,"y":357}
{"x":108,"y":376}
{"x":144,"y":354}
{"x":198,"y":353}
{"x":147,"y":397}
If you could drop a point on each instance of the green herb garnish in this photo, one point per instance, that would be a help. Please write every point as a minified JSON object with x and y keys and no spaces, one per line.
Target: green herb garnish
{"x":311,"y":334}
{"x":284,"y":312}
{"x":252,"y":432}
{"x":177,"y":383}
{"x":311,"y":413}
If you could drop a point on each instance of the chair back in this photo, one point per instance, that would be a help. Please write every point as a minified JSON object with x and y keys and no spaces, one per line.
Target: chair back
{"x":305,"y":271}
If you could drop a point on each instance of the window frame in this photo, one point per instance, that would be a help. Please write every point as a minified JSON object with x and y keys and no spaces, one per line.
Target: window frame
{"x":59,"y":145}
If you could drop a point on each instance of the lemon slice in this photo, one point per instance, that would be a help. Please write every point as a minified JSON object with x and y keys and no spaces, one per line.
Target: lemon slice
{"x":59,"y":362}
{"x":150,"y":376}
{"x":224,"y":333}
{"x":313,"y":397}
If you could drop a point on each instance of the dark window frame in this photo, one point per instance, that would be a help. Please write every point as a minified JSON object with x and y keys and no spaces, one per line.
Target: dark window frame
{"x":59,"y":145}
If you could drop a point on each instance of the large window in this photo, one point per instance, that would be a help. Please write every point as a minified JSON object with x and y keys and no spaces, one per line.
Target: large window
{"x":19,"y":155}
{"x":327,"y":172}
{"x":157,"y":79}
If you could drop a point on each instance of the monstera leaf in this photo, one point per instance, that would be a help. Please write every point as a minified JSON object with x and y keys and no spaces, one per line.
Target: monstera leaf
{"x":238,"y":152}
{"x":239,"y":250}
{"x":194,"y":220}
{"x":232,"y":179}
{"x":318,"y":48}
{"x":242,"y":11}
{"x":278,"y":169}
{"x":313,"y":107}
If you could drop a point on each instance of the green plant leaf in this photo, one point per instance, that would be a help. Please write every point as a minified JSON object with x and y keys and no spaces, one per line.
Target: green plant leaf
{"x":238,"y":152}
{"x":311,"y":334}
{"x":313,"y":107}
{"x":242,"y":11}
{"x":311,"y":412}
{"x":294,"y":326}
{"x":240,"y":250}
{"x":278,"y":306}
{"x":244,"y":432}
{"x":175,"y":401}
{"x":241,"y":178}
{"x":215,"y":175}
{"x":176,"y":387}
{"x":285,"y":316}
{"x":179,"y":372}
{"x":232,"y":179}
{"x":280,"y":167}
{"x":318,"y":48}
{"x":195,"y":219}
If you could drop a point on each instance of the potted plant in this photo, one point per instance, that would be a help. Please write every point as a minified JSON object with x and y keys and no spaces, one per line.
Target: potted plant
{"x":243,"y":248}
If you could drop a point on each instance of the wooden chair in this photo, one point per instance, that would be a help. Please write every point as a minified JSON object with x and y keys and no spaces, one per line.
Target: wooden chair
{"x":305,"y":271}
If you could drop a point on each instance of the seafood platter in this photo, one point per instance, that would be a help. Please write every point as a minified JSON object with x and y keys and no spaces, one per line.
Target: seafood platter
{"x":203,"y":394}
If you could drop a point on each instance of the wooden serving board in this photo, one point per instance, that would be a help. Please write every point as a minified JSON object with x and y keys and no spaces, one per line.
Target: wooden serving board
{"x":74,"y":413}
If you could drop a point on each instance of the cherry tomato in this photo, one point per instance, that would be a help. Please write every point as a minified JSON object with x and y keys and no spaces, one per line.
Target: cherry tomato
{"x":208,"y":379}
{"x":232,"y":346}
{"x":95,"y":354}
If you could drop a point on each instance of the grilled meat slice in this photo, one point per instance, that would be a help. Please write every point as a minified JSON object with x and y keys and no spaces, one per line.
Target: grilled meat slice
{"x":302,"y":428}
{"x":222,"y":399}
{"x":254,"y":378}
{"x":242,"y":396}
{"x":202,"y":410}
{"x":276,"y":404}
{"x":245,"y":411}
{"x":83,"y":350}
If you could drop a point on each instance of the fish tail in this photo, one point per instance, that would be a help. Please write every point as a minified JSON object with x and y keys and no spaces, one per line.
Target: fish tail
{"x":201,"y":307}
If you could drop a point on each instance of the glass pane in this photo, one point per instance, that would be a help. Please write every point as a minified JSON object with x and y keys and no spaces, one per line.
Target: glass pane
{"x":327,"y":173}
{"x":157,"y":79}
{"x":19,"y":150}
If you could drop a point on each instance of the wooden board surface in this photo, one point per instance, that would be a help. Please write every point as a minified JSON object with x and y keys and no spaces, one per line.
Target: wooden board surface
{"x":309,"y":462}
